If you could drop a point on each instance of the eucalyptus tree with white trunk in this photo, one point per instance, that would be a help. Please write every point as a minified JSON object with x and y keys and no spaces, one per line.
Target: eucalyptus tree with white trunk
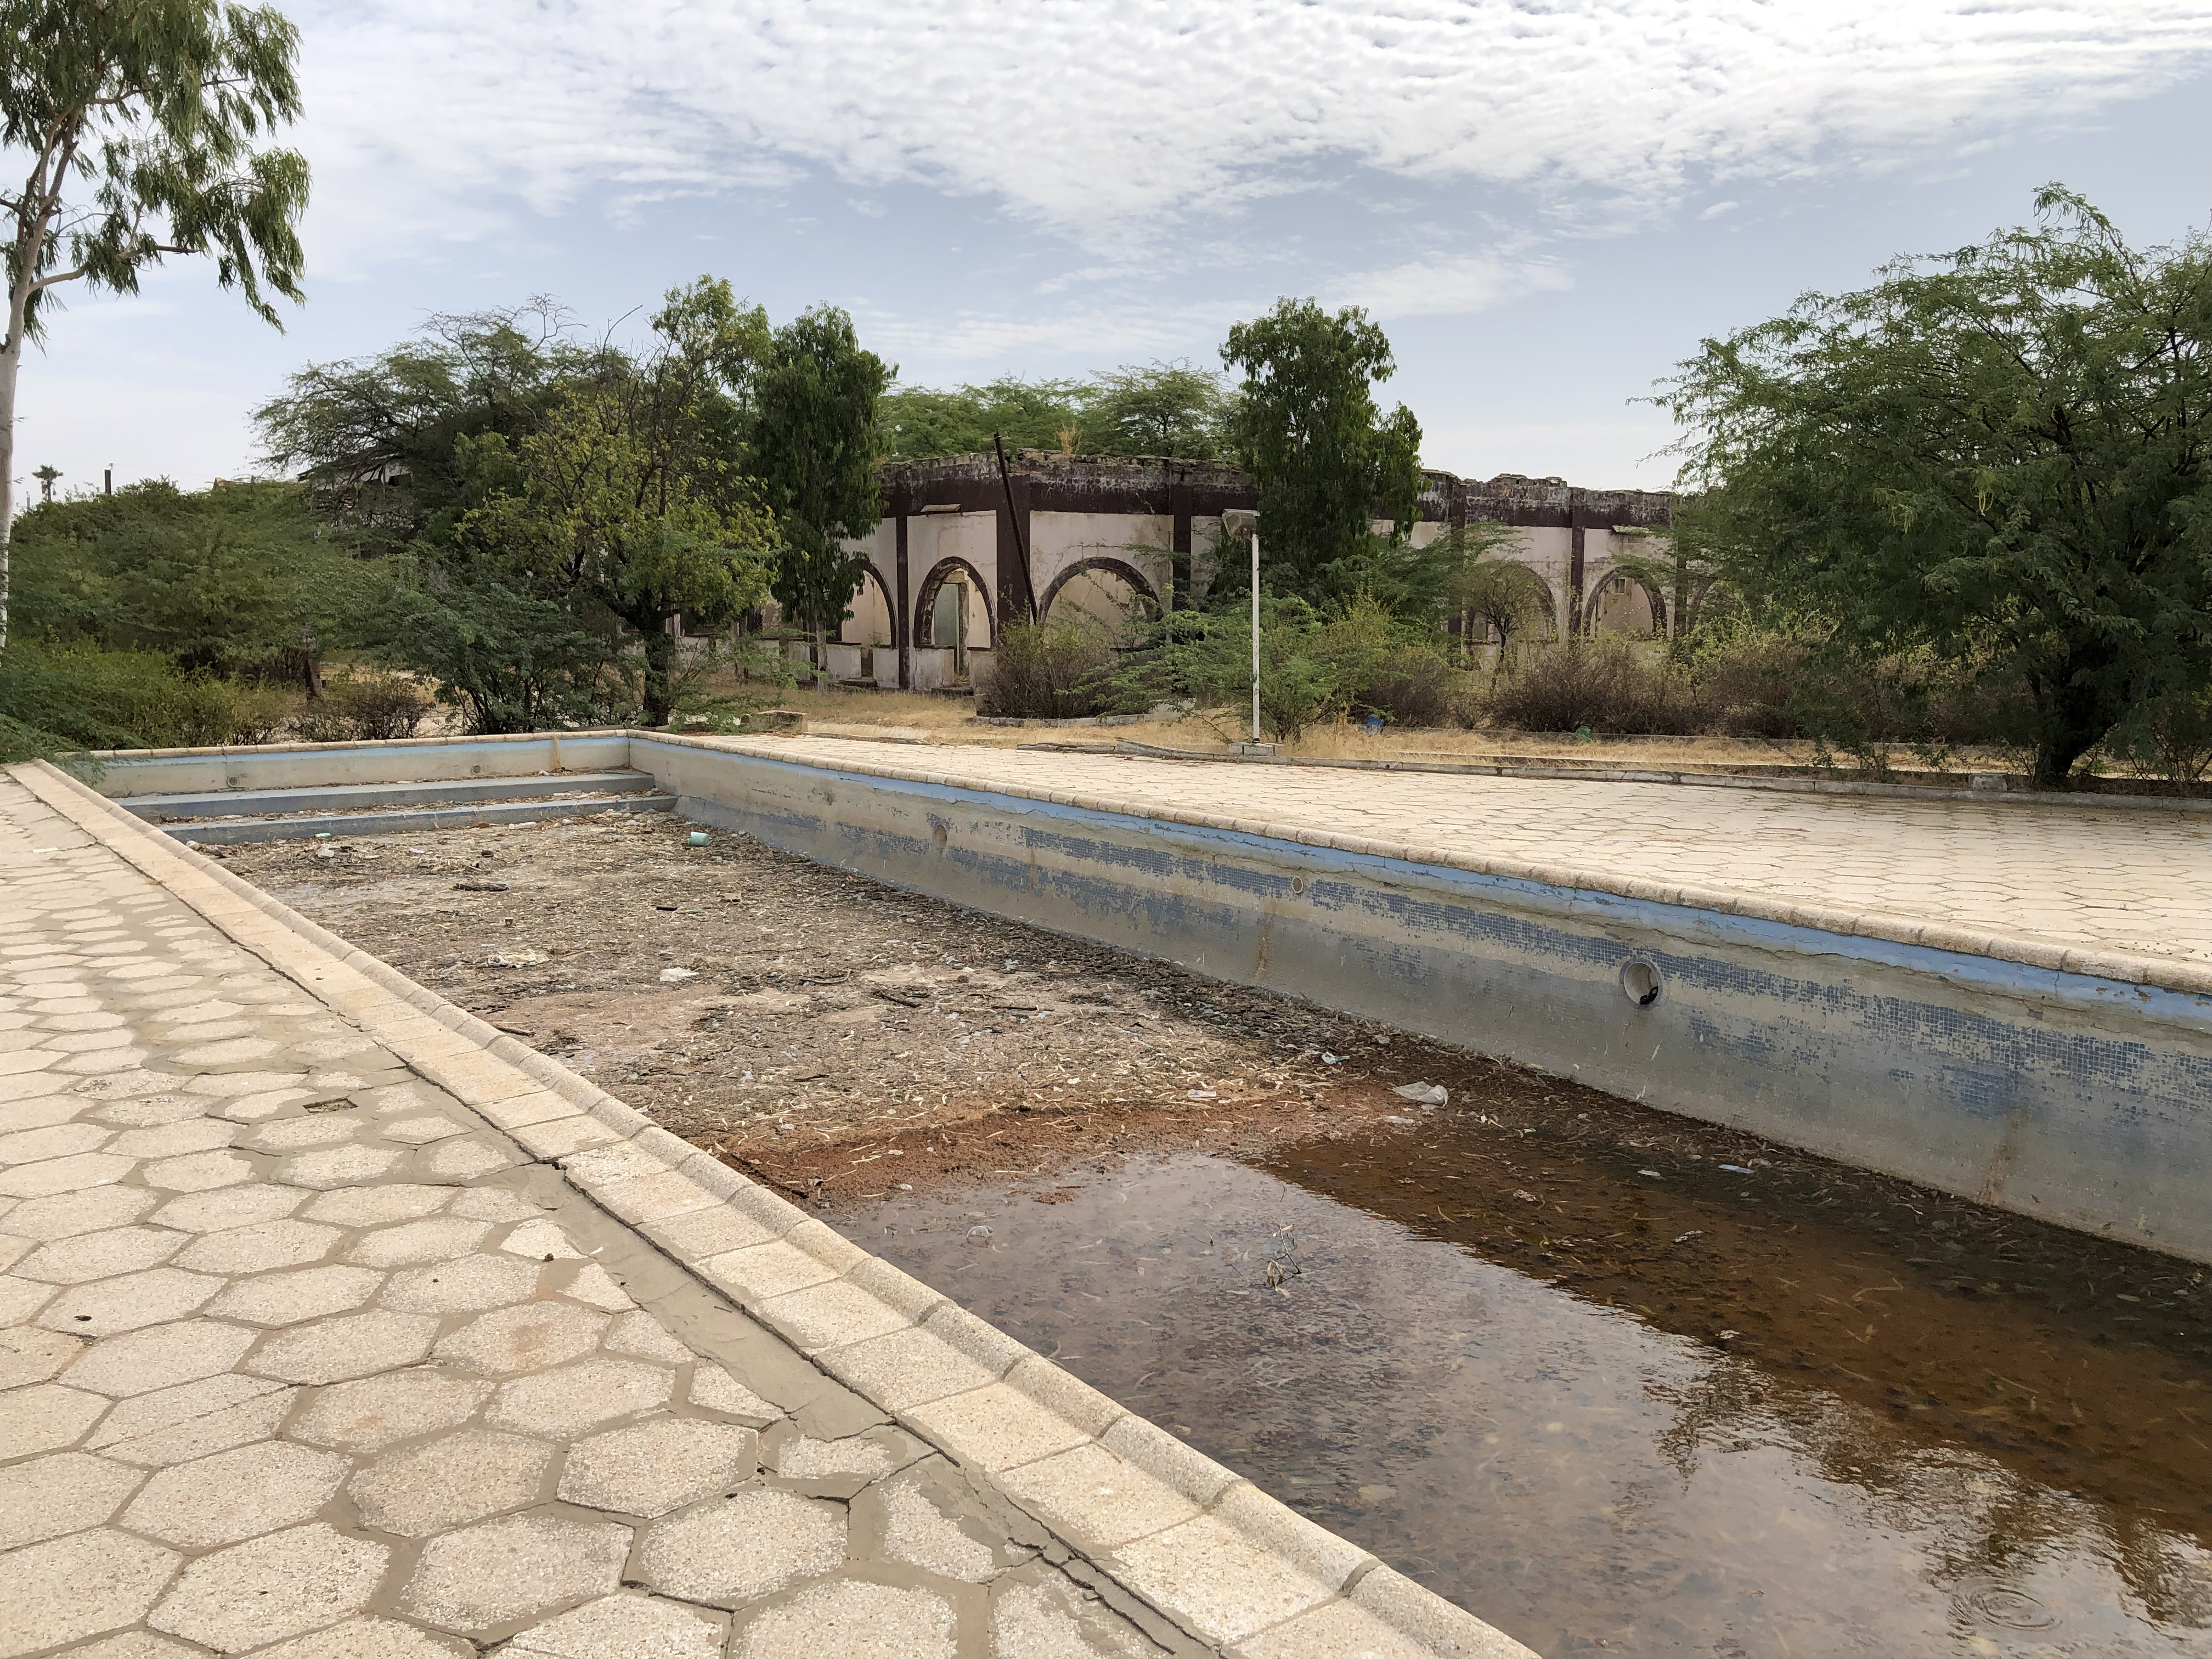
{"x":135,"y":124}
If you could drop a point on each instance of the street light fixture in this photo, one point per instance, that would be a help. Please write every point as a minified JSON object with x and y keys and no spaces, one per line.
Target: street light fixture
{"x":1242,"y":522}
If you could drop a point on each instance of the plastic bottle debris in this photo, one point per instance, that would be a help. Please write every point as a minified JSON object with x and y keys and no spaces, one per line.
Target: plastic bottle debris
{"x":1332,"y":1059}
{"x":1654,"y":1174}
{"x":1734,"y":1169}
{"x":1423,"y":1094}
{"x":676,"y":975}
{"x":1202,"y":1094}
{"x":698,"y":838}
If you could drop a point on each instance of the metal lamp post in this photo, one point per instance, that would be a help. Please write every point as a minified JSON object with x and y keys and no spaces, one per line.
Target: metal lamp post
{"x":1239,"y":522}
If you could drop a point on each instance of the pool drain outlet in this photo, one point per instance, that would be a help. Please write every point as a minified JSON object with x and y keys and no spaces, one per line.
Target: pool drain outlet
{"x":1641,"y":982}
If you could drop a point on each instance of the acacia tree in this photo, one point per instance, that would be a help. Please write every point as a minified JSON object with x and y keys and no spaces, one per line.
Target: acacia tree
{"x":1167,"y":409}
{"x":135,"y":124}
{"x":1999,"y":455}
{"x":814,"y":450}
{"x":1306,"y":425}
{"x":629,"y":502}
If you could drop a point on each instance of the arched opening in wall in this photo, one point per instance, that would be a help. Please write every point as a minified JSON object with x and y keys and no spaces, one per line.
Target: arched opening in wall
{"x":1622,"y":605}
{"x":870,"y":625}
{"x":1107,"y":594}
{"x":952,"y":618}
{"x":1504,"y":607}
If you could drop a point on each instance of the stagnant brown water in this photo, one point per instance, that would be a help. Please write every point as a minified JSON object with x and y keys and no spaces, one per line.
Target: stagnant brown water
{"x":1668,"y":1408}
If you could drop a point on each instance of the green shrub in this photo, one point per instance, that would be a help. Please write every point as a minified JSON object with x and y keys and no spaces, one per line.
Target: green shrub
{"x":55,"y":703}
{"x":1052,"y":670}
{"x":363,"y":706}
{"x":1606,"y":683}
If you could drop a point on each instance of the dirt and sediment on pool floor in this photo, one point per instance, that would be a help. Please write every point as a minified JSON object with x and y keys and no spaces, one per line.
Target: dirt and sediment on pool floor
{"x":838,"y":1035}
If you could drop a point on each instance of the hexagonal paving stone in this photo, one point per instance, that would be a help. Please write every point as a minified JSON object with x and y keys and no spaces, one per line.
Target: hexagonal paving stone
{"x":235,"y":1495}
{"x":852,"y":1619}
{"x":65,"y":1493}
{"x":204,"y":1436}
{"x":641,"y":1334}
{"x":59,"y":1140}
{"x":225,"y":1085}
{"x":375,"y":1206}
{"x":28,"y":1354}
{"x":451,"y":1481}
{"x":468,"y":1286}
{"x":270,"y":1587}
{"x":159,"y":1357}
{"x":493,"y":1203}
{"x":739,"y":1548}
{"x":619,"y":1628}
{"x":418,"y":1241}
{"x":540,"y":1241}
{"x":183,"y":1403}
{"x":564,"y":1403}
{"x":918,"y":1533}
{"x":230,"y":1206}
{"x":67,"y":1214}
{"x":71,"y":1587}
{"x":228,"y":1052}
{"x":65,"y":1174}
{"x":716,"y":1390}
{"x":45,"y":1417}
{"x":594,"y":1285}
{"x":87,"y":1256}
{"x":525,"y":1338}
{"x":288,"y":1299}
{"x":337,"y":1166}
{"x":465,"y":1160}
{"x":1050,"y":1619}
{"x":186,"y":1135}
{"x":22,"y":1298}
{"x":136,"y":1645}
{"x":128,"y":1302}
{"x":370,"y":1414}
{"x":372,"y":1639}
{"x":198,"y":1172}
{"x":297,"y":1135}
{"x":420,"y":1131}
{"x":260,"y":1248}
{"x":503,"y":1570}
{"x":252,"y":1108}
{"x":353,"y":1346}
{"x":151,"y":1112}
{"x":649,"y":1469}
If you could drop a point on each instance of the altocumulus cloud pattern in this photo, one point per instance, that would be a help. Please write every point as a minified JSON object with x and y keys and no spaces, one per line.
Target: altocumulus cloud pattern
{"x":1091,"y":116}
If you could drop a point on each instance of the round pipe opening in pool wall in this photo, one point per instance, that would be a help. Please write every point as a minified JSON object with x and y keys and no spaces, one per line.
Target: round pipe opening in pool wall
{"x":1640,"y":981}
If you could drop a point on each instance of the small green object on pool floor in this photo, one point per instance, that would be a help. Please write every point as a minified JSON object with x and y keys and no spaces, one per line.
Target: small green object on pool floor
{"x":698,"y":838}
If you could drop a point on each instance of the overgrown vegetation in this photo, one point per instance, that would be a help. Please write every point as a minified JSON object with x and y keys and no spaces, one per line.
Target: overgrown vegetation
{"x":55,"y":702}
{"x":1174,"y":410}
{"x":1997,"y":457}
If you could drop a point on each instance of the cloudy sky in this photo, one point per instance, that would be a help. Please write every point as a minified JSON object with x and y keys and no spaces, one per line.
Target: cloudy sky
{"x":1546,"y":202}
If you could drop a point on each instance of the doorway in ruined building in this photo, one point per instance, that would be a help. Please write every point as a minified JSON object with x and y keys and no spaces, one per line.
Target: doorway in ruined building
{"x":948,"y":624}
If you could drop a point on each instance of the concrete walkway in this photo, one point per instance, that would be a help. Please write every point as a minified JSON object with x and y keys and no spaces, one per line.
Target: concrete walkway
{"x":2125,"y":882}
{"x":328,"y":1330}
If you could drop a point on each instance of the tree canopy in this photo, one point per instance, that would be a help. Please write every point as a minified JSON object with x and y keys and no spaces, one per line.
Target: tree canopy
{"x":815,"y":449}
{"x":1160,"y":409}
{"x":1328,"y":462}
{"x":223,"y":579}
{"x":135,"y":123}
{"x":1998,"y":455}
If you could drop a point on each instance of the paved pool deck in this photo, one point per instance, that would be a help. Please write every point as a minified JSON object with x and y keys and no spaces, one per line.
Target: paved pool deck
{"x":2121,"y":891}
{"x":334,"y":1325}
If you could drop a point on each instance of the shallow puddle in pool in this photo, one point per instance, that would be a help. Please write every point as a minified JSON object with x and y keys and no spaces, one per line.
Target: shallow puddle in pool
{"x":1695,"y":1409}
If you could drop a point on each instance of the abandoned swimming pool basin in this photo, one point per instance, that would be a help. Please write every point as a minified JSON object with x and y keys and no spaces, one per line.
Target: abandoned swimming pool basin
{"x":2013,"y":1004}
